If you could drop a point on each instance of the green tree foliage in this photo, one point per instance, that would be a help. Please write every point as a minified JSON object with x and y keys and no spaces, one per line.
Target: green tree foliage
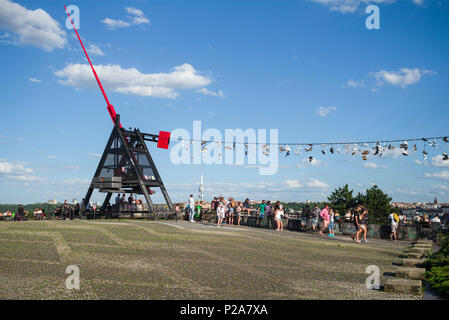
{"x":377,"y":202}
{"x":341,"y":199}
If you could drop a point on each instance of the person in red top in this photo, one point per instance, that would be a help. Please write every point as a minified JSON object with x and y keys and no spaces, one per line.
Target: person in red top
{"x":326,"y":218}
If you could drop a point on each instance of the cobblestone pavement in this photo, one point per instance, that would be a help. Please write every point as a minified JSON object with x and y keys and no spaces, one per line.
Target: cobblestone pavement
{"x":183,"y":260}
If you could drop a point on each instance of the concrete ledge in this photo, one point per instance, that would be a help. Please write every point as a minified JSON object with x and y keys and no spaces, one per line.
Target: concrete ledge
{"x":410,"y":272}
{"x":413,"y":255}
{"x":409,"y":262}
{"x":403,"y":286}
{"x":423,"y":245}
{"x":426,"y":241}
{"x":420,"y":250}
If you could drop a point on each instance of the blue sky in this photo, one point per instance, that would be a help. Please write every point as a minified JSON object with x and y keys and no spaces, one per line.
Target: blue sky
{"x":231,"y":64}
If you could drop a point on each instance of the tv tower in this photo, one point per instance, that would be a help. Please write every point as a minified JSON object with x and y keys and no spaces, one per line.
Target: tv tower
{"x":201,"y":188}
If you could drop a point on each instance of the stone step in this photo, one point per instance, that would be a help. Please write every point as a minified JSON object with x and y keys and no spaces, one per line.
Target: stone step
{"x":412,"y":255}
{"x":402,"y":285}
{"x":424,"y":246}
{"x":410,"y":272}
{"x":420,"y":250}
{"x":426,"y":241}
{"x":409,"y":262}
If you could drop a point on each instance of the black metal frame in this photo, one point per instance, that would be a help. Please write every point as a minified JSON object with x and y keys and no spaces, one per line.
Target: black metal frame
{"x":125,"y":146}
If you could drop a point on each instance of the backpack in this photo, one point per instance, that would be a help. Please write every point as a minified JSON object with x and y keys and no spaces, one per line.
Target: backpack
{"x":396,"y":218}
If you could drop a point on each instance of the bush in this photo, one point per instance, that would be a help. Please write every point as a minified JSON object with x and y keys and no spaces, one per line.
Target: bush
{"x":438,"y":277}
{"x":438,"y":267}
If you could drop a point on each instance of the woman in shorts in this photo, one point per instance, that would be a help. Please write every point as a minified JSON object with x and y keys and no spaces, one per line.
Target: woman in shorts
{"x":238,"y":210}
{"x":278,"y":213}
{"x":220,"y":213}
{"x":363,"y":224}
{"x":231,"y":213}
{"x":331,"y":223}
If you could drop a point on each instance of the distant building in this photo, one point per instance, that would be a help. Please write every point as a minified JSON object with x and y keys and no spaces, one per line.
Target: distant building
{"x":52,"y":201}
{"x":74,"y":201}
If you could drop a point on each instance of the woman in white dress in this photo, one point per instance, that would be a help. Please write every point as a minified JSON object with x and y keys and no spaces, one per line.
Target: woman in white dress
{"x":278,"y":213}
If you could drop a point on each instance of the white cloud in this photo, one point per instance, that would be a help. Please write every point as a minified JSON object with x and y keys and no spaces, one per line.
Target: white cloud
{"x":372,"y":165}
{"x":324,"y":111}
{"x":354,"y":84}
{"x":114,"y":24}
{"x":137,"y":16}
{"x":95,"y":50}
{"x":19,"y":139}
{"x":207,"y":92}
{"x":403,"y":78}
{"x":76,"y":181}
{"x":24,"y":177}
{"x":441,"y":187}
{"x":31,"y":27}
{"x":51,"y":157}
{"x":94,"y":155}
{"x":35,"y":80}
{"x":348,"y":6}
{"x":443,"y":175}
{"x":314,"y":163}
{"x":211,"y":114}
{"x":132,"y":81}
{"x":17,"y":171}
{"x":314,"y":183}
{"x":71,"y":168}
{"x":309,"y":183}
{"x":438,"y":161}
{"x":291,"y":183}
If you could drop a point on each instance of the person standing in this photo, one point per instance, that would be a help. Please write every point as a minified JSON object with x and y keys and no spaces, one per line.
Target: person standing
{"x":77,"y":210}
{"x":238,"y":211}
{"x":279,"y":212}
{"x":270,"y":215}
{"x":66,"y":210}
{"x":355,"y":221}
{"x":331,"y":223}
{"x":220,"y":213}
{"x":192,"y":208}
{"x":316,"y":213}
{"x":261,"y":212}
{"x":393,"y":224}
{"x":20,"y":213}
{"x":305,"y":219}
{"x":364,"y":224}
{"x":325,"y":217}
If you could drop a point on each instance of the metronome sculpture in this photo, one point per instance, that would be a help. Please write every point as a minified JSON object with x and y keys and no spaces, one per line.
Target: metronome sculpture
{"x":126,"y":165}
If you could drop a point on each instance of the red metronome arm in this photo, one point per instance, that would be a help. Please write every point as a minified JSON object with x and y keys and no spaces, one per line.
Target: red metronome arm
{"x":110,"y":108}
{"x":163,"y":138}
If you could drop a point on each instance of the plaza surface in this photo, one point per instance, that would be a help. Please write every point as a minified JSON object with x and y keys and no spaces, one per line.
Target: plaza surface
{"x":182,"y":260}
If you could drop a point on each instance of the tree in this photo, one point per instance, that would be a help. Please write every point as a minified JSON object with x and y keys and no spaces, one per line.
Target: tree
{"x":360,"y":199}
{"x":341,"y":199}
{"x":377,"y":202}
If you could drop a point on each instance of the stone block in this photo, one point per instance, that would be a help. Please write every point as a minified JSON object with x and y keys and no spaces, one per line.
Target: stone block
{"x":409,"y":262}
{"x":403,"y":286}
{"x":411,"y":273}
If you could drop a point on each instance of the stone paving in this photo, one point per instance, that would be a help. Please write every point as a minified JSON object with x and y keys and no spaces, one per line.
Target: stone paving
{"x":183,"y":260}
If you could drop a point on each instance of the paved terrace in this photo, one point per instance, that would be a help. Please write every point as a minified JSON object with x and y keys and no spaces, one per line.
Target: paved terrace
{"x":183,"y":260}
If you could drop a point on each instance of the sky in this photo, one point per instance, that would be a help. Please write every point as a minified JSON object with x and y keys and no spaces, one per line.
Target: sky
{"x":308,"y":68}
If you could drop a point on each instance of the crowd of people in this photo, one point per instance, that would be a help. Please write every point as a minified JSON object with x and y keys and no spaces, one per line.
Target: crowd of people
{"x":324,"y":220}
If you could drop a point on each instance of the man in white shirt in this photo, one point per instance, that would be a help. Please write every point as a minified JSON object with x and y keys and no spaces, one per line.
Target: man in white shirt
{"x":436,"y":219}
{"x":192,"y":208}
